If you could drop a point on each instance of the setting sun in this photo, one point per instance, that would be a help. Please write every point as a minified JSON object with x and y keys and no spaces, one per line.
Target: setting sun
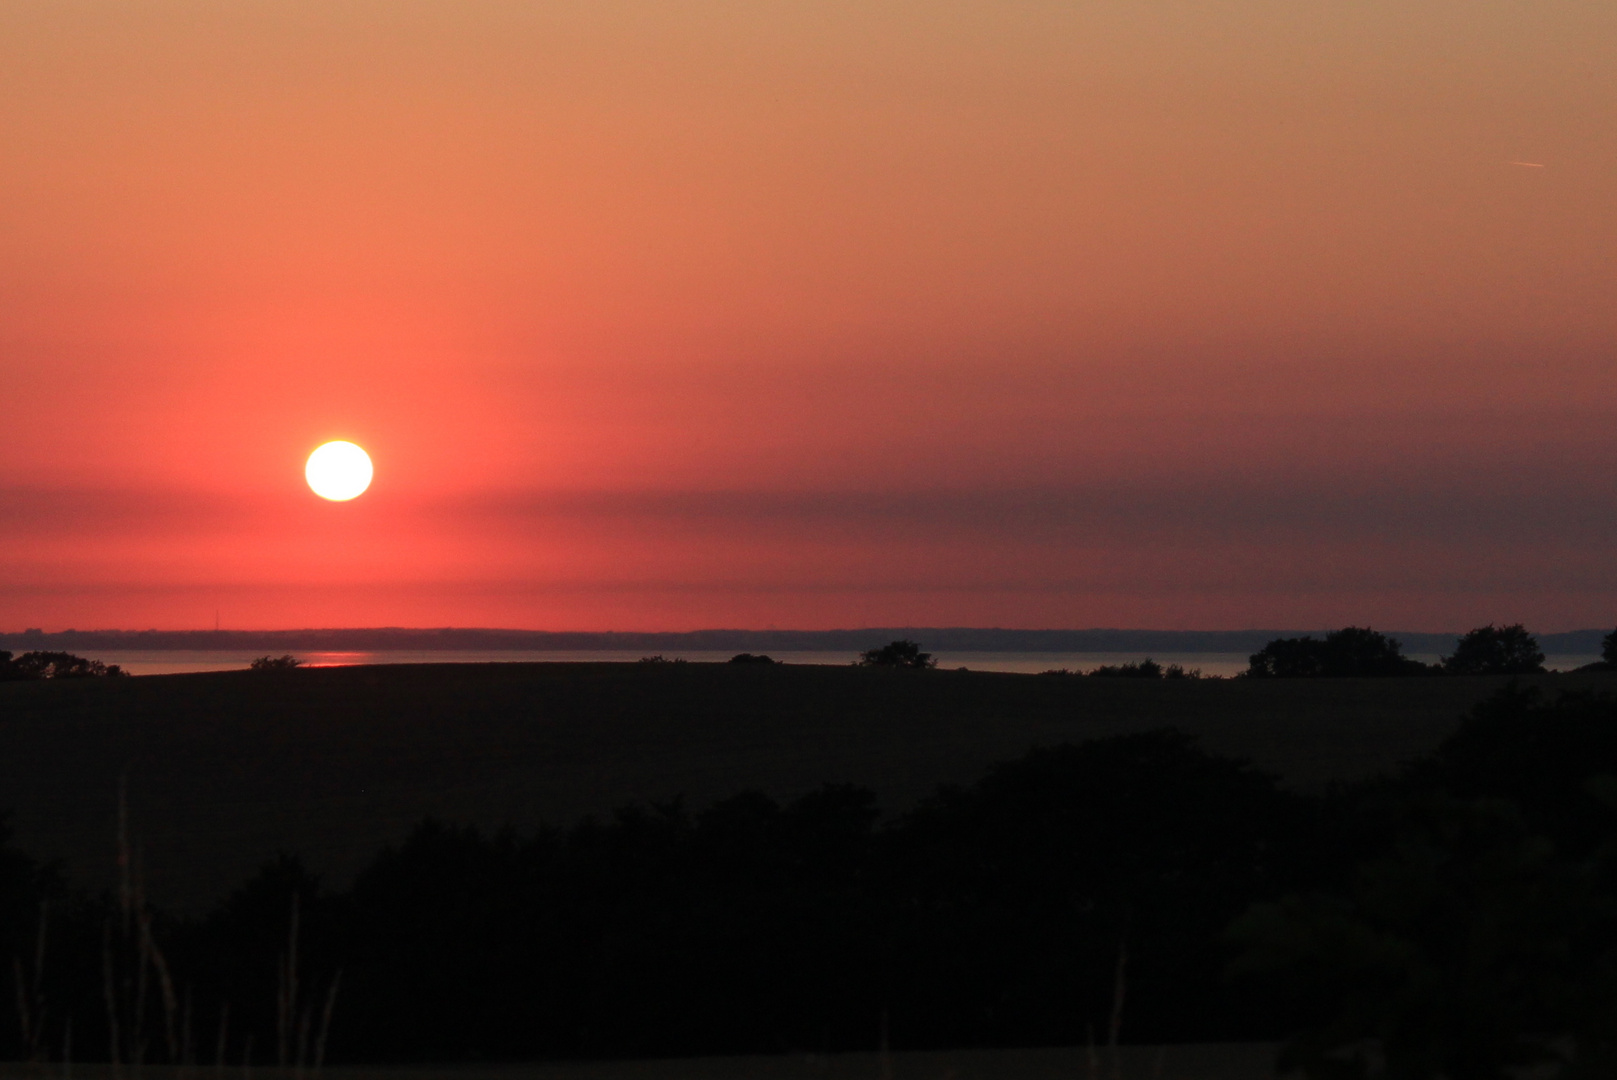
{"x":339,"y":471}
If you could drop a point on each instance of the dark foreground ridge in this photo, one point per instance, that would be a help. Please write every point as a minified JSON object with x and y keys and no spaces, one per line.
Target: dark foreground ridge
{"x":224,"y":769}
{"x":1456,"y":919}
{"x":947,"y":639}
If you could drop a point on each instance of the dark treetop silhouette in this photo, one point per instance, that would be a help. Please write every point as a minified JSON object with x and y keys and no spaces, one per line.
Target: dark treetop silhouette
{"x":1457,"y":920}
{"x":1353,"y":651}
{"x":276,"y":663}
{"x":53,"y":665}
{"x":897,"y":654}
{"x":1496,"y":650}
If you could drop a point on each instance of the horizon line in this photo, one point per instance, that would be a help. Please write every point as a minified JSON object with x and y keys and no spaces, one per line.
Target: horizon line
{"x":32,"y":632}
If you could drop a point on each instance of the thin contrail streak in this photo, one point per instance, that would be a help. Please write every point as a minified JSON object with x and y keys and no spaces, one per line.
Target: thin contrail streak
{"x":1528,"y":164}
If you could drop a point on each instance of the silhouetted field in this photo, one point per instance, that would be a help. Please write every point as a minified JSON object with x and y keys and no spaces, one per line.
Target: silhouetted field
{"x":225,"y":769}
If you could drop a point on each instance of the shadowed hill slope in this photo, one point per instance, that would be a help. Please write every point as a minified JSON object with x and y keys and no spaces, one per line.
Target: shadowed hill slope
{"x":224,"y":769}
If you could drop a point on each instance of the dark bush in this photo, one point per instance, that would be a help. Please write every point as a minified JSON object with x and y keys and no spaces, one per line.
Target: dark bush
{"x":275,"y":663}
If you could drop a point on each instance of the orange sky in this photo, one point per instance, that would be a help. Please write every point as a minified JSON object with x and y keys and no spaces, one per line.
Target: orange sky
{"x":659,"y":316}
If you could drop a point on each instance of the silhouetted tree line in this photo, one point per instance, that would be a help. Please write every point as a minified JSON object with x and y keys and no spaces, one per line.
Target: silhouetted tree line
{"x":53,"y":665}
{"x":1143,"y":669}
{"x":1454,"y":920}
{"x":995,"y":914}
{"x":1358,"y":651}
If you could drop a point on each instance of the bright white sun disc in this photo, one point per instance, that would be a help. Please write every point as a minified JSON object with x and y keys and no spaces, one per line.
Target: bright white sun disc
{"x":338,"y":471}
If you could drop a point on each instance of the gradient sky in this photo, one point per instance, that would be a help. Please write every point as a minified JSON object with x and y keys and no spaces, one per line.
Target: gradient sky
{"x":852,"y":312}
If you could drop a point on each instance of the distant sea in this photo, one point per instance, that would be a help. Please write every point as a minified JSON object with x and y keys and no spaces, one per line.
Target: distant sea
{"x":179,"y":661}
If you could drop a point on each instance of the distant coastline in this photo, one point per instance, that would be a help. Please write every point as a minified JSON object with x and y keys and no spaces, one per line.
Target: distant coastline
{"x":975,"y":639}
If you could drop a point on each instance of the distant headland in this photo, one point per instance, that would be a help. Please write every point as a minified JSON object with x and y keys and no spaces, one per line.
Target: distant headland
{"x":949,"y":639}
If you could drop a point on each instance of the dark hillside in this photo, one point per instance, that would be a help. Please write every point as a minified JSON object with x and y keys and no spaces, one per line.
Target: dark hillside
{"x":225,"y":769}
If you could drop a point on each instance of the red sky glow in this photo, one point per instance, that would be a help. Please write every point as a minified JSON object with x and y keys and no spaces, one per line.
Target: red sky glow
{"x":1020,"y":313}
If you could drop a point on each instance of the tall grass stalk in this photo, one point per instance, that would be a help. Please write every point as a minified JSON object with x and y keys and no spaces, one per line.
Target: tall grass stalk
{"x":1114,"y":1027}
{"x":186,"y":1054}
{"x":31,"y":992}
{"x":884,"y":1050}
{"x":325,"y":1023}
{"x":299,"y":1044}
{"x":1114,"y":1023}
{"x":133,"y":967}
{"x":219,"y":1044}
{"x":286,"y":997}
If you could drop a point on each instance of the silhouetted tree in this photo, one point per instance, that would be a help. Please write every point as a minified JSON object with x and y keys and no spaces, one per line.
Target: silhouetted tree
{"x":1496,"y":650}
{"x":1350,"y":652}
{"x":750,"y":658}
{"x":1608,"y":648}
{"x":896,"y":654}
